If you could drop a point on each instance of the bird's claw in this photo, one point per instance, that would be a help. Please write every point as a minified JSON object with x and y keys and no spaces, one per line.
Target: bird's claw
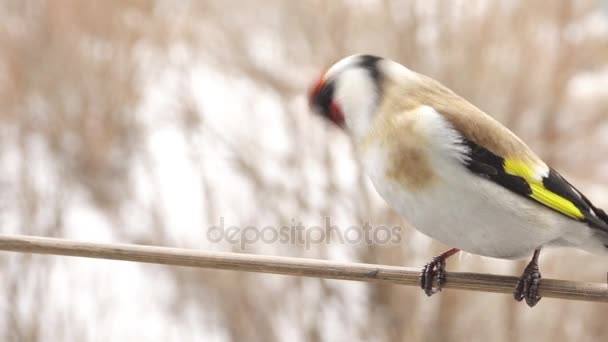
{"x":528,"y":285}
{"x":434,"y":268}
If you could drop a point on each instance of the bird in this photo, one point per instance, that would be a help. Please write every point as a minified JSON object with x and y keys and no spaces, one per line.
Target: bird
{"x":454,"y":172}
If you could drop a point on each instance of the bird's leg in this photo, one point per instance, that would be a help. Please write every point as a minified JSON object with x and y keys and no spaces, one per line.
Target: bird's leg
{"x":527,"y":285}
{"x":435,"y":267}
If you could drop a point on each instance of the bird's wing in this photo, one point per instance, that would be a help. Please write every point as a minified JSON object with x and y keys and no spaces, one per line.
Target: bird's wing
{"x":541,"y":184}
{"x":497,"y":154}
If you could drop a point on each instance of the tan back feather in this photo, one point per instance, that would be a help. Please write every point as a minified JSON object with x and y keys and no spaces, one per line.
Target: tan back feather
{"x":407,"y":94}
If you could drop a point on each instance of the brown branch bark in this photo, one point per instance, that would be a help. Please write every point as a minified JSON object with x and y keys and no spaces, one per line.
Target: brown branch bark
{"x":592,"y":292}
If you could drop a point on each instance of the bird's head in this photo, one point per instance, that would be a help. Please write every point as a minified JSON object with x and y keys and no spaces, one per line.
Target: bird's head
{"x":351,"y":90}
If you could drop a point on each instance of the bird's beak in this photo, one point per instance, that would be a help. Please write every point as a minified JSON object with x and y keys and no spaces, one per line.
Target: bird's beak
{"x":313,"y":94}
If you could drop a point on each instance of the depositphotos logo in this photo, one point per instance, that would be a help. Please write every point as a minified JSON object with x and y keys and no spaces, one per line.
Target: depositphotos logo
{"x":297,"y":233}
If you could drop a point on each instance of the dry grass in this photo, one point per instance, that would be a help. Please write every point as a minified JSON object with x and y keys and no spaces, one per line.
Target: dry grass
{"x":74,"y":74}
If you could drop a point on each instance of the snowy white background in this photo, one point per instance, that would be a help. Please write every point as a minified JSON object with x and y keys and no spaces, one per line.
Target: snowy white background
{"x":148,"y":121}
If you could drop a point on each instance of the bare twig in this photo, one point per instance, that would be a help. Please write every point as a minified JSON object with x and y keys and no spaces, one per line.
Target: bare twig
{"x":592,"y":292}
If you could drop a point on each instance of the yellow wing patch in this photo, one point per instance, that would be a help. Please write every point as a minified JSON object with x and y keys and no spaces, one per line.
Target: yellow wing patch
{"x":539,"y":192}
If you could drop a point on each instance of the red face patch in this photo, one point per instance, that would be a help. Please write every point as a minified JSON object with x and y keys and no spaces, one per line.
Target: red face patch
{"x":321,"y":100}
{"x":336,"y":115}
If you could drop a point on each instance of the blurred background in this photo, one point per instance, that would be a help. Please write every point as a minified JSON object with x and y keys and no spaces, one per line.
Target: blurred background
{"x":149,"y":121}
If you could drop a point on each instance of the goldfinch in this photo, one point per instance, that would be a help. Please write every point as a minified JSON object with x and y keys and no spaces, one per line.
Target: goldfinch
{"x":455,"y":173}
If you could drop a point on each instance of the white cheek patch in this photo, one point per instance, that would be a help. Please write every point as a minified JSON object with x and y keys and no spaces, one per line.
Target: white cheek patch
{"x":357,"y":96}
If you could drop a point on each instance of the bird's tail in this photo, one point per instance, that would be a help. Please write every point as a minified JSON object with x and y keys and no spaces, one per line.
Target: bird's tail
{"x":603,"y":238}
{"x":598,"y":243}
{"x":602,"y":234}
{"x":591,"y":241}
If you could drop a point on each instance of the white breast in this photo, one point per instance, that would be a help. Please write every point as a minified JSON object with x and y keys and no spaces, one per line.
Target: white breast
{"x":463,"y":210}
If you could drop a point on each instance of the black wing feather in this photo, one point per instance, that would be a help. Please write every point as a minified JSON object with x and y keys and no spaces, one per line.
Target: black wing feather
{"x":596,"y":217}
{"x":484,"y":163}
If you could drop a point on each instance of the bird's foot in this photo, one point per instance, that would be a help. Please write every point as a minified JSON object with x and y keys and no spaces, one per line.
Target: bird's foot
{"x":528,"y":284}
{"x":435,"y":268}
